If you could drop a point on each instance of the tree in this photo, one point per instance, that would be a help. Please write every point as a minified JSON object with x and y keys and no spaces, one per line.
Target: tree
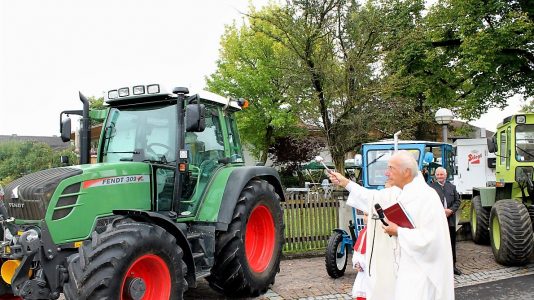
{"x":20,"y":158}
{"x":482,"y":53}
{"x":251,"y":66}
{"x":96,"y":104}
{"x":335,"y":68}
{"x":291,"y":152}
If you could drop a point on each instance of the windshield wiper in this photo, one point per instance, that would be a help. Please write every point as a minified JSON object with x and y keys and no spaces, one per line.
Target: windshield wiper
{"x":124,"y":158}
{"x":531,"y":155}
{"x":374,"y":160}
{"x":131,"y":152}
{"x":162,"y":160}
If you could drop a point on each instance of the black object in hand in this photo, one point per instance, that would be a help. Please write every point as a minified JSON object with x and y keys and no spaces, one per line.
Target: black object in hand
{"x":380,"y":213}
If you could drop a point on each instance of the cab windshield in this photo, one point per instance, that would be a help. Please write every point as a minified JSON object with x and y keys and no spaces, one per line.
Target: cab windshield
{"x":524,"y":139}
{"x":377,"y":164}
{"x":145,"y":133}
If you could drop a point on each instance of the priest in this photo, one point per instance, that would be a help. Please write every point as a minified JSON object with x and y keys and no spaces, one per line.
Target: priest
{"x":405,"y":263}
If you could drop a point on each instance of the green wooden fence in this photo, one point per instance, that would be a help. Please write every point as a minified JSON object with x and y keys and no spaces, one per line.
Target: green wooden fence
{"x":309,"y":220}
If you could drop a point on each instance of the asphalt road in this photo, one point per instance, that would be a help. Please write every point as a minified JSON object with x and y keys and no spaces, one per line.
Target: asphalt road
{"x":516,"y":288}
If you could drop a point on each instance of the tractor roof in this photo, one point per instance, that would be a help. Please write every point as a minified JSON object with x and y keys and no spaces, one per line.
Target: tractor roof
{"x":403,"y":142}
{"x":154,"y":92}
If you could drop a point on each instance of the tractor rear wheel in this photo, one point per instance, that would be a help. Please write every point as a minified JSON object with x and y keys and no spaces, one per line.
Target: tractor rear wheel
{"x":511,"y":233}
{"x":335,"y":262}
{"x":130,"y":260}
{"x":247,"y":255}
{"x":479,"y":222}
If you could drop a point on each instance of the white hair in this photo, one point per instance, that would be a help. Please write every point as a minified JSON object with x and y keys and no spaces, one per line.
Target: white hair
{"x":407,"y":162}
{"x":441,"y":169}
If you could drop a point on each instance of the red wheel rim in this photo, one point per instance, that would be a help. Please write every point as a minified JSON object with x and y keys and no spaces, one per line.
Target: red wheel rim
{"x":153,"y":270}
{"x":260,"y":238}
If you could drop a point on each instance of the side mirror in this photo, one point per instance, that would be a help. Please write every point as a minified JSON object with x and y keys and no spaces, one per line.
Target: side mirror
{"x":492,"y":144}
{"x":358,"y":160}
{"x":195,"y":118}
{"x":65,"y":130}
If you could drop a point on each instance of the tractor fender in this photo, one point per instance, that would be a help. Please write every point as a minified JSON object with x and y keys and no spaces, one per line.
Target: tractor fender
{"x":235,"y":184}
{"x":170,"y":226}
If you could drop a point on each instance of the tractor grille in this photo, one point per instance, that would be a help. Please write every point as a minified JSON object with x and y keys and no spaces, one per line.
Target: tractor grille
{"x":34,"y":192}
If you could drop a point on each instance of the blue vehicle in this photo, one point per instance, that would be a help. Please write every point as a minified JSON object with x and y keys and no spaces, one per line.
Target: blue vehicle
{"x":374,"y":158}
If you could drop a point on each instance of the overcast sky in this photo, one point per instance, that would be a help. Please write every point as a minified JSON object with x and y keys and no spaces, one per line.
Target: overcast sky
{"x":50,"y":50}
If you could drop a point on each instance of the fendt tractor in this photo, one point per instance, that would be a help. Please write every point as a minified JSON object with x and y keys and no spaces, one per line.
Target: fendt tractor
{"x":375,"y":156}
{"x":502,"y":212}
{"x":168,"y":202}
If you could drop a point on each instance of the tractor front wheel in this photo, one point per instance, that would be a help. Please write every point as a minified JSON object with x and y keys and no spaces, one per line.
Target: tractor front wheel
{"x":530,"y":209}
{"x":335,"y":262}
{"x":479,"y":218}
{"x":511,"y":233}
{"x":247,"y":255}
{"x":129,"y":261}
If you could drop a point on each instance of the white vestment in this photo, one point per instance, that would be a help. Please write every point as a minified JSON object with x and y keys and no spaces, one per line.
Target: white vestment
{"x":379,"y":252}
{"x":422,"y":255}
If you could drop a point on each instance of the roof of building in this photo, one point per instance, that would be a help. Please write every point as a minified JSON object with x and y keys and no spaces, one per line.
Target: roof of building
{"x":54,"y":142}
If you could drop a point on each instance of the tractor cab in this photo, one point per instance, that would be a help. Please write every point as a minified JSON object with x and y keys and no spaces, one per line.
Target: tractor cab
{"x":429,"y":156}
{"x":513,"y":144}
{"x":150,"y":125}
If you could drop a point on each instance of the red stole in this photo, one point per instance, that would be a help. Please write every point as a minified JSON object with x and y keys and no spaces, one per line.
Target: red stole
{"x":360,"y":241}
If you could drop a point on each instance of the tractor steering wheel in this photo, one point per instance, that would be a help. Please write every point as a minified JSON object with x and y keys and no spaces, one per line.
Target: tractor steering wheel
{"x":150,"y":146}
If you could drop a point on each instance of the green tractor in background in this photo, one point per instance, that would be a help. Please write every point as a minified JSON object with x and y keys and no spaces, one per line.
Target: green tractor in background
{"x":168,"y":202}
{"x":502,"y":212}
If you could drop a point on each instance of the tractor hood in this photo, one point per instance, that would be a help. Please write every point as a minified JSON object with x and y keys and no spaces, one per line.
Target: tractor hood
{"x":29,"y":197}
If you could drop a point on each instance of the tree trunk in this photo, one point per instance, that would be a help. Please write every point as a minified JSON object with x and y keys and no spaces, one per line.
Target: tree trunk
{"x":268,"y":137}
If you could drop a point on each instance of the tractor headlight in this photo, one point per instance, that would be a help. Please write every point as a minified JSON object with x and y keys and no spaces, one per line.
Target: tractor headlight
{"x":113,"y":94}
{"x":520,"y":119}
{"x":139,"y":90}
{"x":124,"y":92}
{"x":153,"y":89}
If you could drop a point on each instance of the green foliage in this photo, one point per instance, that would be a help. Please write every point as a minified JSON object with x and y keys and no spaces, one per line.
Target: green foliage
{"x":289,"y":179}
{"x":96,"y":103}
{"x":481,"y":53}
{"x":251,"y":66}
{"x":290,"y":153}
{"x":20,"y":158}
{"x":361,"y":71}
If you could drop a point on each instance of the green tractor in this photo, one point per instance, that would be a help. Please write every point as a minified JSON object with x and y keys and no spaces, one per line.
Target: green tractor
{"x":168,"y":202}
{"x":502,"y":212}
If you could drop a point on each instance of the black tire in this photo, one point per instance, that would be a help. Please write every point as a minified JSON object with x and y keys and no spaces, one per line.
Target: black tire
{"x":237,"y":272}
{"x":511,"y":233}
{"x":531,"y":214}
{"x":479,"y":219}
{"x":100,"y":268}
{"x":335,"y":262}
{"x":5,"y":288}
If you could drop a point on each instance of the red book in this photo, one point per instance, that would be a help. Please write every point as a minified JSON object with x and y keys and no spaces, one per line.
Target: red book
{"x":398,"y":215}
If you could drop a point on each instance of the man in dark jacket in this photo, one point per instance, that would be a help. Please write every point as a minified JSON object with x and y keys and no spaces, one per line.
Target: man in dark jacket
{"x":451,"y":202}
